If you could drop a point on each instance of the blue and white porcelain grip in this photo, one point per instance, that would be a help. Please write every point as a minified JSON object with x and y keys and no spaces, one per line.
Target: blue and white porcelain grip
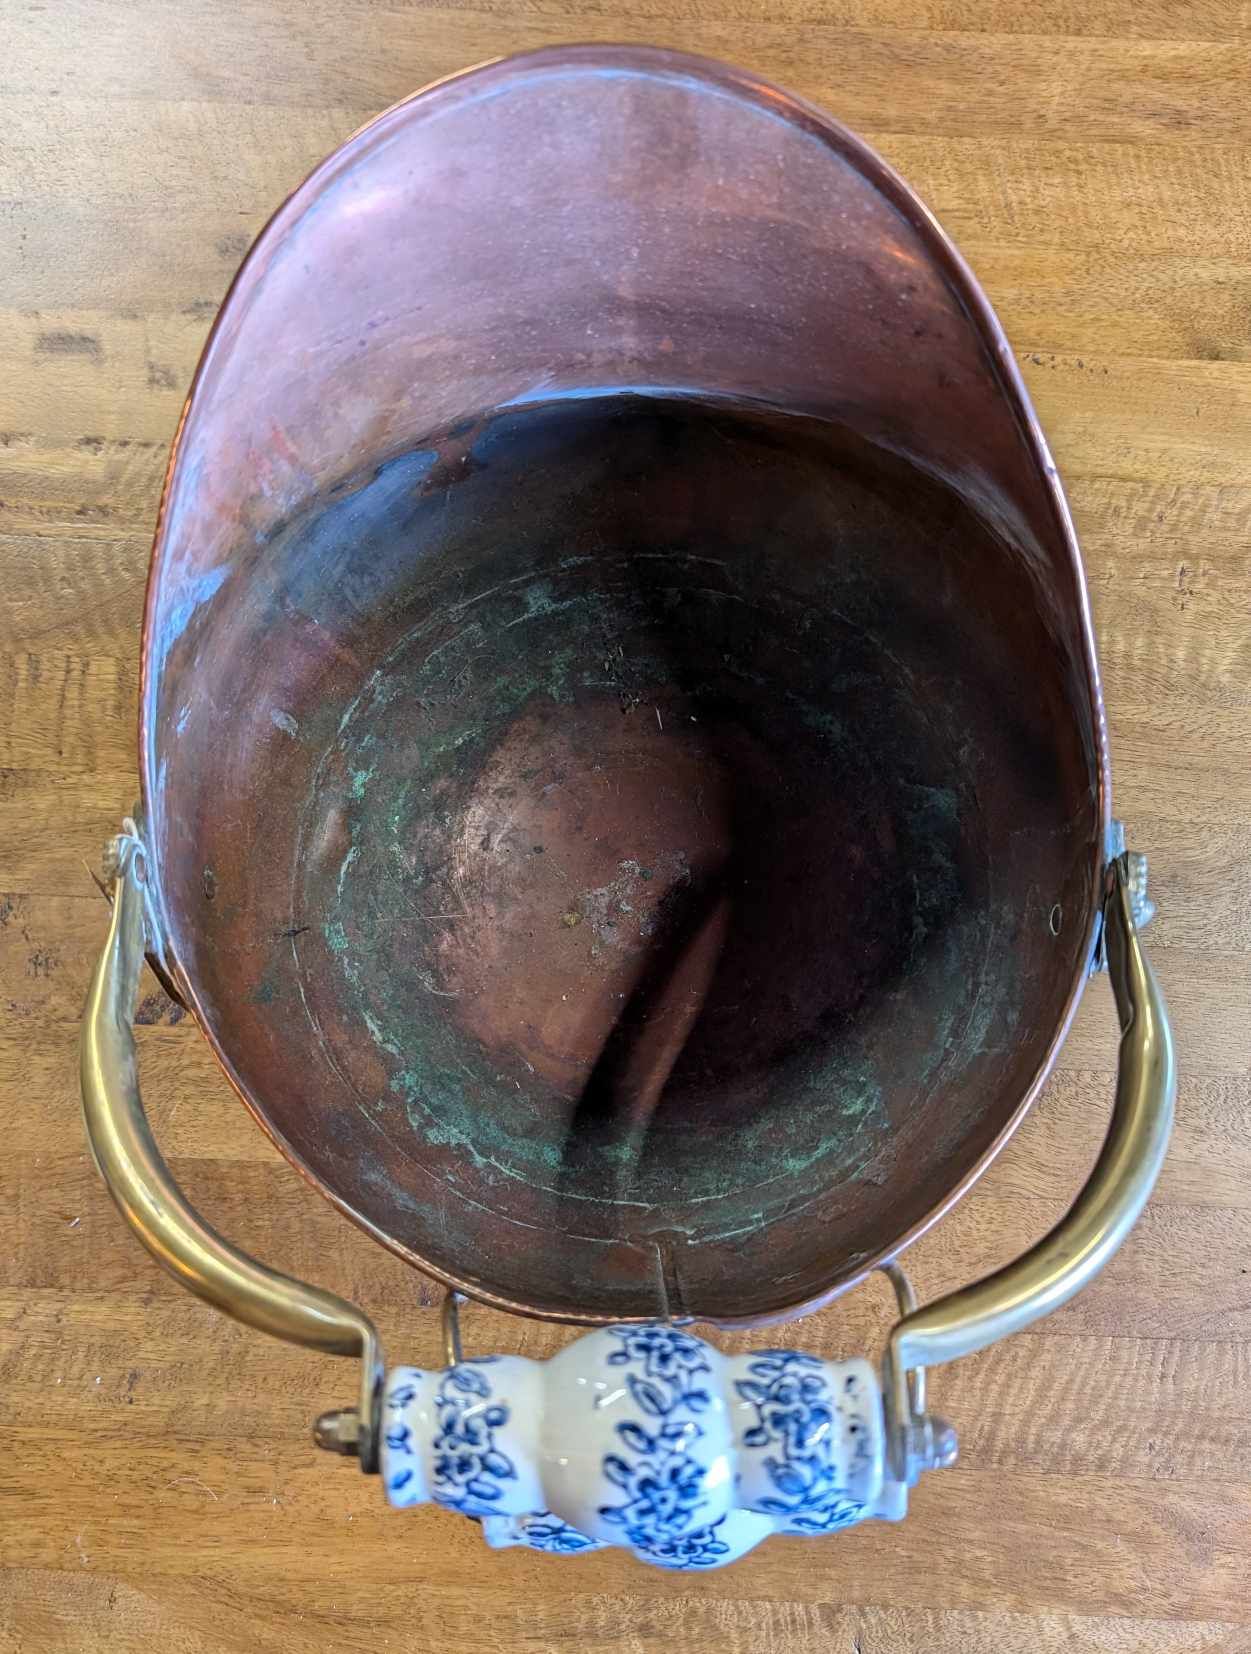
{"x":644,"y":1437}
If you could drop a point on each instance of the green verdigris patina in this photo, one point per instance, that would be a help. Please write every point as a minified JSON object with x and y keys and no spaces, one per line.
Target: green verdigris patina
{"x":502,"y":962}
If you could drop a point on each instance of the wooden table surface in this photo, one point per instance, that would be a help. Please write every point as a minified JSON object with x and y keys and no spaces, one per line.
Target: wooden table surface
{"x":157,"y":1484}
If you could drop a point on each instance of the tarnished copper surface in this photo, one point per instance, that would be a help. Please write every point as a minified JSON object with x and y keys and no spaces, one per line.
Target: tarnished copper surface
{"x":621,"y":735}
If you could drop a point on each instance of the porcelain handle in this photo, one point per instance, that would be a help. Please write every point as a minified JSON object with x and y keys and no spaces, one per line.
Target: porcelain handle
{"x":645,"y":1437}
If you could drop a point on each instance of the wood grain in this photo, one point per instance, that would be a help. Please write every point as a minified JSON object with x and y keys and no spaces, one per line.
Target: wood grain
{"x":157,"y":1487}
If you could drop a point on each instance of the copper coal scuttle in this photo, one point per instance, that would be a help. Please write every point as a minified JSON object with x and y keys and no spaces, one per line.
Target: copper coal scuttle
{"x":625,"y":792}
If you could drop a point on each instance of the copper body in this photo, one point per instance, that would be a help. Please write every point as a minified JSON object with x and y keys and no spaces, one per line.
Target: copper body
{"x":622,"y":745}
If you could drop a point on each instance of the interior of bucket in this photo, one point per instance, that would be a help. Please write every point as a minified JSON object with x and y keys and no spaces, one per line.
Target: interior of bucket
{"x":620,"y":748}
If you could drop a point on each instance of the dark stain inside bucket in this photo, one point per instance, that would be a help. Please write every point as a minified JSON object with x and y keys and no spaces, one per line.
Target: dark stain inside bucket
{"x":654,"y":668}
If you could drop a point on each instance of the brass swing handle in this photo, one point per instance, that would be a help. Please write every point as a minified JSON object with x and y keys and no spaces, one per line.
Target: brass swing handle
{"x":144,"y":1189}
{"x":1044,"y":1278}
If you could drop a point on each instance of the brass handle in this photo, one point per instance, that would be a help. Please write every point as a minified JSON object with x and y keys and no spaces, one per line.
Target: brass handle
{"x":140,"y":1182}
{"x":965,"y":1321}
{"x":1082,"y":1242}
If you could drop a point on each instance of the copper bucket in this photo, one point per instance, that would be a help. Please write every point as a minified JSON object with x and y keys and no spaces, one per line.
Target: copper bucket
{"x":622,"y":748}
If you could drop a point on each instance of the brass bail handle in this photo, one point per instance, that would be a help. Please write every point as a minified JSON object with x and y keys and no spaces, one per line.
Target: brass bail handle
{"x":1044,"y":1278}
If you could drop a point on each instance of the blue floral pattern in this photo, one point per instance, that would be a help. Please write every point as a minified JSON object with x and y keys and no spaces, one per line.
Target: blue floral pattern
{"x":469,"y":1466}
{"x":673,"y":1433}
{"x":799,"y":1418}
{"x":399,"y":1438}
{"x":700,"y":1548}
{"x":545,"y":1532}
{"x":661,"y":1484}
